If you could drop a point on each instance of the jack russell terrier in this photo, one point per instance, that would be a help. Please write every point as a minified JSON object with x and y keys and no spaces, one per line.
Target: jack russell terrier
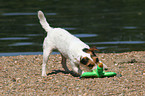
{"x":69,"y":46}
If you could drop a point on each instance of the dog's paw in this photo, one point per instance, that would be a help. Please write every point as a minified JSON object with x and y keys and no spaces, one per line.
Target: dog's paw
{"x":44,"y":74}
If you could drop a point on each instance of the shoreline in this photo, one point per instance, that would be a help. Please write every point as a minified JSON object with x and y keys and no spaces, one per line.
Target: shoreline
{"x":23,"y":53}
{"x":21,"y":75}
{"x":53,"y":53}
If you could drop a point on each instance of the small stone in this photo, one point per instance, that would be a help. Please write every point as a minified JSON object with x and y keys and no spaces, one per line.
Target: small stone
{"x":14,"y":80}
{"x":118,"y":75}
{"x":132,"y":61}
{"x":15,"y":62}
{"x":116,"y":64}
{"x":85,"y":94}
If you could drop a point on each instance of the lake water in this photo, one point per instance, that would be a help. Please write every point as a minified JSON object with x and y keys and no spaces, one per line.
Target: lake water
{"x":110,"y":25}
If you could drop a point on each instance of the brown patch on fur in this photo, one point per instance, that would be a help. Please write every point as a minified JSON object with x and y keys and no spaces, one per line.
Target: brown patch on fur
{"x":87,"y":62}
{"x":84,"y":60}
{"x":91,"y":51}
{"x":95,"y":59}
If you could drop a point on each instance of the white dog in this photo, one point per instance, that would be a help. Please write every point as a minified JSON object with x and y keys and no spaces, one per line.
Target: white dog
{"x":69,"y":46}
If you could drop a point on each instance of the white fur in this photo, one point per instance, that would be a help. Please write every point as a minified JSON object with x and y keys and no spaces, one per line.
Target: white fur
{"x":68,"y":45}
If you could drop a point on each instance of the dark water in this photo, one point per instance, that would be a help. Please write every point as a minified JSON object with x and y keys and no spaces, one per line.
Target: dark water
{"x":110,"y":25}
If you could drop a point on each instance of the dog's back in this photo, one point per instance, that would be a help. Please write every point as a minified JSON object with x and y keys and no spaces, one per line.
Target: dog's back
{"x":62,"y":39}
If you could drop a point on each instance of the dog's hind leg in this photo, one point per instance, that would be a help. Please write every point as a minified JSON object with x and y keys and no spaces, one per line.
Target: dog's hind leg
{"x":63,"y":62}
{"x":46,"y":53}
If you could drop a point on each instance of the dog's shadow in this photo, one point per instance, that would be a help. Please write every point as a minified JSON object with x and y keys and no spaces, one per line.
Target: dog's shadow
{"x":64,"y":72}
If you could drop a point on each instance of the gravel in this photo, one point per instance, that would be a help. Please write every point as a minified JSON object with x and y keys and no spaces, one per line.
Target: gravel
{"x":21,"y":75}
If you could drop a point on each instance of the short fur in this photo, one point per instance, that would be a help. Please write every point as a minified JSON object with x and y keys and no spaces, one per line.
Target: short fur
{"x":68,"y":45}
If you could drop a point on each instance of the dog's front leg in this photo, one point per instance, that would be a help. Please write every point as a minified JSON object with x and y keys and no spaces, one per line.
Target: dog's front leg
{"x":76,"y":68}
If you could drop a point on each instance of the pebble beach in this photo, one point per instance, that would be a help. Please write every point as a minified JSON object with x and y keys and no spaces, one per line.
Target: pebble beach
{"x":21,"y":76}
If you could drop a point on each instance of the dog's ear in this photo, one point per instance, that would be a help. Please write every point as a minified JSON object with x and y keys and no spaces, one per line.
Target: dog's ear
{"x":94,"y":49}
{"x":85,"y":49}
{"x":91,"y":49}
{"x":84,"y":60}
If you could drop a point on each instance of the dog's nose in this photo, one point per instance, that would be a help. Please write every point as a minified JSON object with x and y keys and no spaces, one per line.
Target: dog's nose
{"x":105,"y":68}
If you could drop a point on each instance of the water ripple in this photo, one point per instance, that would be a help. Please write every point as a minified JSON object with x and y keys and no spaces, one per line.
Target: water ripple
{"x":130,"y":27}
{"x":118,"y":42}
{"x":14,"y":38}
{"x":18,"y":14}
{"x":22,"y":44}
{"x":85,"y":35}
{"x":24,"y":53}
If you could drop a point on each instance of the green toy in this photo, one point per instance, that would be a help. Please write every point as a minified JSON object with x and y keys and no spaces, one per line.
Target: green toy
{"x":98,"y":72}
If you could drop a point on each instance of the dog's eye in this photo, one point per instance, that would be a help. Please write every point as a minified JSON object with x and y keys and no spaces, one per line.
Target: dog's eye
{"x":90,"y":65}
{"x":85,"y":60}
{"x":93,"y":54}
{"x":97,"y":60}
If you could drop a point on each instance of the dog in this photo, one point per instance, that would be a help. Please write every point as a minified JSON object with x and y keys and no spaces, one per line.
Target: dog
{"x":69,"y":46}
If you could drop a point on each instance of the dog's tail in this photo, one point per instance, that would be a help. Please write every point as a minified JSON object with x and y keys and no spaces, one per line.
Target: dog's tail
{"x":43,"y":21}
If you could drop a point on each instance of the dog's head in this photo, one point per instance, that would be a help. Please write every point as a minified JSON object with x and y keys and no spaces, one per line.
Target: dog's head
{"x":91,"y":60}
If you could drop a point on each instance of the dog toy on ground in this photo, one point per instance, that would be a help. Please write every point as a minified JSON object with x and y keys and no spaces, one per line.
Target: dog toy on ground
{"x":99,"y":73}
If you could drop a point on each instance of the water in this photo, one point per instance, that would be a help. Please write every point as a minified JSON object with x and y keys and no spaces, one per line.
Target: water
{"x":111,"y":26}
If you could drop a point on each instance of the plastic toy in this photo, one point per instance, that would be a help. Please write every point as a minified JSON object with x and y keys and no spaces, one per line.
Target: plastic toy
{"x":99,"y":73}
